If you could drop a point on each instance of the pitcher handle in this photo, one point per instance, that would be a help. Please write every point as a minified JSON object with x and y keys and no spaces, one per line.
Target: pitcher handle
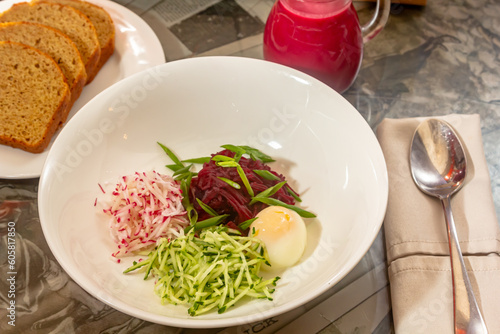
{"x":378,"y":21}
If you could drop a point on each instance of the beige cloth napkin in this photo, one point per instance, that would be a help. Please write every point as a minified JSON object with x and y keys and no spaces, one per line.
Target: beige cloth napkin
{"x":416,"y":238}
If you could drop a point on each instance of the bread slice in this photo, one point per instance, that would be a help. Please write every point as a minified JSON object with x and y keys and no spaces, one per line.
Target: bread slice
{"x":56,"y":44}
{"x":34,"y":96}
{"x":102,"y":22}
{"x":70,"y":21}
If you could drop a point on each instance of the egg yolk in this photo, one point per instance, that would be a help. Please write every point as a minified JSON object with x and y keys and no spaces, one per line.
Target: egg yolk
{"x":283,"y":232}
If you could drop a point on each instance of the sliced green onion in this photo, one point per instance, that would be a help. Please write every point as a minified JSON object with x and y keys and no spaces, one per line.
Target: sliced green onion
{"x":184,"y":176}
{"x":182,"y":170}
{"x":191,"y":211}
{"x":201,"y":160}
{"x":244,"y":179}
{"x":255,"y":154}
{"x":268,"y":192}
{"x":267,"y":175}
{"x":174,"y":167}
{"x":231,"y":163}
{"x":209,"y":222}
{"x":207,"y":208}
{"x":234,"y":148}
{"x":219,"y":158}
{"x":273,"y":201}
{"x":237,"y":150}
{"x":293,"y":194}
{"x":171,"y":155}
{"x":233,"y":184}
{"x":246,"y":224}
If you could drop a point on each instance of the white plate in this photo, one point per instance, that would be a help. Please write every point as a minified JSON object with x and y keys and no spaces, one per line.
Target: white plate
{"x":321,"y":143}
{"x":136,"y":48}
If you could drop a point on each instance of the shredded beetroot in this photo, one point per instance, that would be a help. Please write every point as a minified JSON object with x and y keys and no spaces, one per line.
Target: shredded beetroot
{"x":225,"y":199}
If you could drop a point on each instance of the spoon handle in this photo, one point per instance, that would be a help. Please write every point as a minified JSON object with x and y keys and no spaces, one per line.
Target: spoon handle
{"x":467,"y":316}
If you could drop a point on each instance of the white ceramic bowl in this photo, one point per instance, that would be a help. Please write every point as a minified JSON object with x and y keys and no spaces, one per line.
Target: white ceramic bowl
{"x":321,"y":143}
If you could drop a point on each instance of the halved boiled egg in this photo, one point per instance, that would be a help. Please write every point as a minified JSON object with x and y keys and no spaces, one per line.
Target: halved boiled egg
{"x":283,"y":232}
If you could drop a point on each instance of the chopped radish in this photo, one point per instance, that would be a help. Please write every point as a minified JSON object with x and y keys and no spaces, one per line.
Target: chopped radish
{"x":143,"y":208}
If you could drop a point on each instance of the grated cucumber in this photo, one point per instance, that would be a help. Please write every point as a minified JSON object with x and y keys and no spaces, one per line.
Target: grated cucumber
{"x":212,"y":271}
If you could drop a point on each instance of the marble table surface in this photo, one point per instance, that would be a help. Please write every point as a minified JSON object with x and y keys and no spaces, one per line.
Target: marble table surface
{"x":433,"y":60}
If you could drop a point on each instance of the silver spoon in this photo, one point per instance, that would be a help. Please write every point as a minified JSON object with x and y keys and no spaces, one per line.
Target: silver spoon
{"x":438,"y":166}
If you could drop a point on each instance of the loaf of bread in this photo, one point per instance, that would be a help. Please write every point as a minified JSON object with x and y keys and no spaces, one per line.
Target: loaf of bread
{"x":70,"y":21}
{"x":34,"y":96}
{"x":103,"y":24}
{"x":57,"y":45}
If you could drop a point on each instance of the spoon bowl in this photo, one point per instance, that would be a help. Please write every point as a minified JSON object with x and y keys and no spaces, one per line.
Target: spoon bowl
{"x":438,"y":162}
{"x":438,"y":167}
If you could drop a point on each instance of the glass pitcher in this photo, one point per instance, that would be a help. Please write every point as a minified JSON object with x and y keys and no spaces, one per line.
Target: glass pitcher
{"x":321,"y":37}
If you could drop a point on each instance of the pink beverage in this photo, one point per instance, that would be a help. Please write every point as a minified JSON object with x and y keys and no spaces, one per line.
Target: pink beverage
{"x":320,"y":38}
